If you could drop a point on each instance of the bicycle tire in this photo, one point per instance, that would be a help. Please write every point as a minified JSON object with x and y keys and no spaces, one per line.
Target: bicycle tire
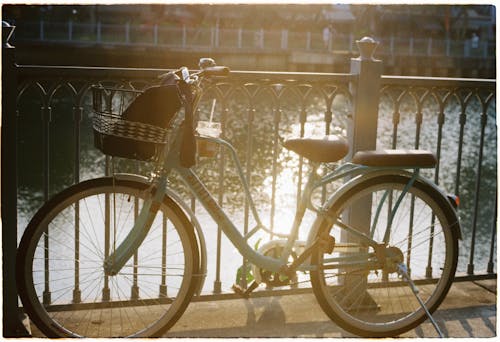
{"x":378,"y":303}
{"x":145,"y":298}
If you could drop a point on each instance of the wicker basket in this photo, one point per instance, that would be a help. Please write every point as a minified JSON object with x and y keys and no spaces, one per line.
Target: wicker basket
{"x":119,"y":136}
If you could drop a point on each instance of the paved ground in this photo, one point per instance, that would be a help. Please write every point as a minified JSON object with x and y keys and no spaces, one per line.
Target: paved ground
{"x":468,"y":311}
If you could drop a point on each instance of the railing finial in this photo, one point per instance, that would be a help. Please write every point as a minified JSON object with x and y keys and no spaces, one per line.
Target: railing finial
{"x":367,"y":46}
{"x":7,"y":30}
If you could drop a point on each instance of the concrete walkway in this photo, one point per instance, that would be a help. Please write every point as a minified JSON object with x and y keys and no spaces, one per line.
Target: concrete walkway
{"x":469,"y":310}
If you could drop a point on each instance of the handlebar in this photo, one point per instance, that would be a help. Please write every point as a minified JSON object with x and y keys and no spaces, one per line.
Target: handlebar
{"x":189,"y":89}
{"x":207,"y":69}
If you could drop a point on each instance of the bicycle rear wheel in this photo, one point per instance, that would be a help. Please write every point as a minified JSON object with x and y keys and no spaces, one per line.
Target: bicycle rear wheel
{"x":370,"y":298}
{"x":60,"y":273}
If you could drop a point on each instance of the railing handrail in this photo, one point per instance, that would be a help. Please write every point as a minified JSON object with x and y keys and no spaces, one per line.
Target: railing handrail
{"x":438,"y":81}
{"x":58,"y":72}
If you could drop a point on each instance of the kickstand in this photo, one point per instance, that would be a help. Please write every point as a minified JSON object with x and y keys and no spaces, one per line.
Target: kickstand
{"x":404,"y":272}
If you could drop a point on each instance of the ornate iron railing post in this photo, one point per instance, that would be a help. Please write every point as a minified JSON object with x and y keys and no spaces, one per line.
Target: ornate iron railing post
{"x":362,"y":129}
{"x":12,"y":325}
{"x":362,"y":135}
{"x":365,"y":97}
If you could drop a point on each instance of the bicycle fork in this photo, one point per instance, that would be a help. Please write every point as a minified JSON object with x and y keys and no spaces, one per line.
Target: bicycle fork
{"x":119,"y":256}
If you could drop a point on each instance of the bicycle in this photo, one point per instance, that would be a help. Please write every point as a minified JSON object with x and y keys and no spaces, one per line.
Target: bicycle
{"x":88,"y":266}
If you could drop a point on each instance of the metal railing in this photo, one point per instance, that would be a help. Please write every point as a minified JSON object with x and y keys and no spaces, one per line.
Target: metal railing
{"x":205,"y":38}
{"x":455,"y":118}
{"x":462,"y":115}
{"x":257,"y":108}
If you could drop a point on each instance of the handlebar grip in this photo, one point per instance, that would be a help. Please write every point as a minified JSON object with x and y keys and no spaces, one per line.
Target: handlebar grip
{"x":216,"y":71}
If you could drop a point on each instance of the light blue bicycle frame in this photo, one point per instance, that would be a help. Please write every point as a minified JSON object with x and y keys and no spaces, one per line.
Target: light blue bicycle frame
{"x":126,"y":249}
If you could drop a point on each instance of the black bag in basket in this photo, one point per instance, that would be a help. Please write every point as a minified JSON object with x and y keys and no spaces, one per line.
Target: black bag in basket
{"x":155,"y":106}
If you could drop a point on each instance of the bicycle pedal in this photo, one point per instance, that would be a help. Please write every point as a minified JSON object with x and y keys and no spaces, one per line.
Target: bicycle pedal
{"x":238,"y":290}
{"x":244,"y":293}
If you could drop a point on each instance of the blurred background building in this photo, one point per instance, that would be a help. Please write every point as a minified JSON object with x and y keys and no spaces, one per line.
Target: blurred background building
{"x":437,"y":40}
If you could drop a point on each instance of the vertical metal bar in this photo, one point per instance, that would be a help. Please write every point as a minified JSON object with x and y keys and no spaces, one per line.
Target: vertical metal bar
{"x":328,"y":122}
{"x":106,"y":293}
{"x":77,"y":293}
{"x":77,"y":117}
{"x":46,"y":291}
{"x":418,"y":122}
{"x":462,"y":120}
{"x":249,"y":152}
{"x":135,"y":288}
{"x":302,"y":119}
{"x":396,"y":116}
{"x":12,"y":325}
{"x":441,"y":119}
{"x":163,"y":285}
{"x":470,"y":266}
{"x":410,"y":236}
{"x":493,"y":235}
{"x":46,"y":117}
{"x":277,"y":120}
{"x":222,"y":168}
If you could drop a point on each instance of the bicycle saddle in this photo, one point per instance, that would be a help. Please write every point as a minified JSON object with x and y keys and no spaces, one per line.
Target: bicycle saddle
{"x":396,"y":158}
{"x":327,"y":149}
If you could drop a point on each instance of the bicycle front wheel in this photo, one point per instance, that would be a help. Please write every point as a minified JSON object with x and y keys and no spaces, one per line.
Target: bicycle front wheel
{"x":362,"y":289}
{"x":60,"y":273}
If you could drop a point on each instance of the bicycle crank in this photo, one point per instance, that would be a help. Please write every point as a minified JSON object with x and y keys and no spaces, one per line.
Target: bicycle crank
{"x":274,"y":249}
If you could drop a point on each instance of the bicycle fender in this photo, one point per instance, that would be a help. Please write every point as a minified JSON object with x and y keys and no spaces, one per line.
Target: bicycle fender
{"x":200,"y":238}
{"x":373,"y":174}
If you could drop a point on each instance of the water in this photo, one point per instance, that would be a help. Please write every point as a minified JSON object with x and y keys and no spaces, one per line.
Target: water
{"x":261,"y":136}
